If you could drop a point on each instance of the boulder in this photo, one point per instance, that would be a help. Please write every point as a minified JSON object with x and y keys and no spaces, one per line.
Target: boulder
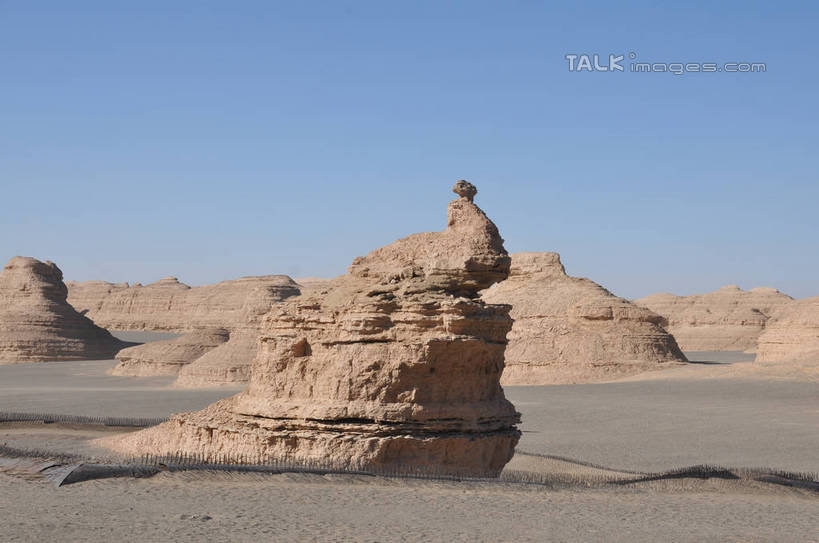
{"x":395,"y":367}
{"x":572,"y":330}
{"x":36,"y":322}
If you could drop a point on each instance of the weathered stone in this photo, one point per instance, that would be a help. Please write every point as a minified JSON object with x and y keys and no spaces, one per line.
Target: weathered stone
{"x":36,"y":322}
{"x":572,"y":330}
{"x":792,"y":334}
{"x":168,"y":305}
{"x":168,"y":357}
{"x":728,"y":319}
{"x":230,"y":364}
{"x":396,"y":366}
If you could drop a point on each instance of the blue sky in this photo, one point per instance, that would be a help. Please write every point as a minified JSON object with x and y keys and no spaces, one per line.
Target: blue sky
{"x":211,"y":140}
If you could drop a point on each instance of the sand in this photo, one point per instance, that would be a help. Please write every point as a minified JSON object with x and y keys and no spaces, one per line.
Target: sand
{"x":197,"y":507}
{"x":657,"y":422}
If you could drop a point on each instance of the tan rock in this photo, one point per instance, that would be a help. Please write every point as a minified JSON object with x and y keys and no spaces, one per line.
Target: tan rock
{"x":168,"y":357}
{"x":572,"y":330}
{"x":395,"y":367}
{"x":313,"y":283}
{"x":792,"y":334}
{"x":230,"y":364}
{"x":728,"y":319}
{"x":36,"y":322}
{"x":234,"y":307}
{"x":169,"y":305}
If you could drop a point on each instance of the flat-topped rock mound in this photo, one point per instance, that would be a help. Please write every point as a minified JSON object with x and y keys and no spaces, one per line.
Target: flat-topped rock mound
{"x":229,"y":364}
{"x":168,"y":357}
{"x":572,"y":330}
{"x":221,"y":322}
{"x":313,"y":283}
{"x":792,"y":334}
{"x":168,"y":305}
{"x":397,"y":366}
{"x":36,"y":322}
{"x":728,"y":319}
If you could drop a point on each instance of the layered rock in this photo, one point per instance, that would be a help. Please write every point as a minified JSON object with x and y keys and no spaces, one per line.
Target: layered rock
{"x":728,"y":319}
{"x":168,"y":305}
{"x":168,"y":357}
{"x":572,"y":330}
{"x":397,"y":366}
{"x":36,"y":322}
{"x":313,"y":283}
{"x":221,"y":322}
{"x":229,"y":364}
{"x":792,"y":334}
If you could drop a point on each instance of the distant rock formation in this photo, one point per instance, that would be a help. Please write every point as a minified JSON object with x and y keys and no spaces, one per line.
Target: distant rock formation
{"x":572,"y":330}
{"x":313,"y":283}
{"x":792,"y":334}
{"x":221,"y":322}
{"x":36,"y":322}
{"x":168,"y":357}
{"x":169,"y":305}
{"x":728,"y":319}
{"x":229,"y":364}
{"x":396,"y":366}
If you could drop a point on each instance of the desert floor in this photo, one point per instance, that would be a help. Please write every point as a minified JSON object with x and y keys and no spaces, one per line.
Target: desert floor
{"x":714,"y":413}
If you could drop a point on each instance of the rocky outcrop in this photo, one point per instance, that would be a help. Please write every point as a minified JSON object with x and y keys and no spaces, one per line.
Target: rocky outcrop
{"x":728,"y":319}
{"x":36,"y":322}
{"x":221,"y":322}
{"x":313,"y":283}
{"x":572,"y":330}
{"x":792,"y":334}
{"x":169,"y":305}
{"x":229,"y":364}
{"x":168,"y":357}
{"x":397,"y":366}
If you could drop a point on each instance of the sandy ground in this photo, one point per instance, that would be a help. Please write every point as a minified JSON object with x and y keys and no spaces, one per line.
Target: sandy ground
{"x":84,"y":388}
{"x":202,"y":507}
{"x":654,"y":422}
{"x":667,"y":423}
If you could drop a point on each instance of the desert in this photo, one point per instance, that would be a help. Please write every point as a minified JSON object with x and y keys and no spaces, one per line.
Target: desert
{"x":383,"y":386}
{"x":372,"y":271}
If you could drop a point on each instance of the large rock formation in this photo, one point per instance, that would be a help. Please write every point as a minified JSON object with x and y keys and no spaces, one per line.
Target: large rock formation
{"x":728,"y":319}
{"x":230,"y":363}
{"x":168,"y":357}
{"x":36,"y":322}
{"x":792,"y":334}
{"x":208,"y":314}
{"x":572,"y":330}
{"x":397,"y":366}
{"x":169,"y":305}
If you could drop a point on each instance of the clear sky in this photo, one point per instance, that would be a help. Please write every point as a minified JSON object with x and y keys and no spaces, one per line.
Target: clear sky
{"x":211,"y":140}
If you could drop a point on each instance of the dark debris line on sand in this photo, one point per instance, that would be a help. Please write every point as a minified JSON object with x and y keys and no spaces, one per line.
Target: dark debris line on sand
{"x":64,"y":469}
{"x":49,"y":418}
